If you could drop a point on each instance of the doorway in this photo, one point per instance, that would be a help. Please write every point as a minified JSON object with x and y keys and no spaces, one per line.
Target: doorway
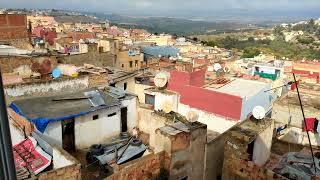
{"x":124,"y":116}
{"x":68,"y":138}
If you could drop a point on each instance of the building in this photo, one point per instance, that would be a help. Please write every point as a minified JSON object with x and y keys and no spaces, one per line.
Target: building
{"x":129,"y":60}
{"x":308,"y":71}
{"x":73,"y":122}
{"x":13,"y":27}
{"x":160,"y":40}
{"x":239,"y":96}
{"x":288,"y":116}
{"x":247,"y":149}
{"x":13,"y":30}
{"x":272,"y":70}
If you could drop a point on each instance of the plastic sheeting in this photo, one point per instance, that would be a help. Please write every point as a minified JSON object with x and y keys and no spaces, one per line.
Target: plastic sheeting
{"x":42,"y":122}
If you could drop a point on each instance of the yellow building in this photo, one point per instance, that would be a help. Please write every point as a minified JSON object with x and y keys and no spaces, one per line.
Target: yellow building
{"x":129,"y":60}
{"x":161,"y":40}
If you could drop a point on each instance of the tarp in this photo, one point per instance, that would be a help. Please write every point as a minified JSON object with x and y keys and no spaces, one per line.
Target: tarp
{"x":42,"y":122}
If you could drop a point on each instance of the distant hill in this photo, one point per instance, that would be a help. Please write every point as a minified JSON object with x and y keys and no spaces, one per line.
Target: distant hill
{"x":171,"y":25}
{"x":75,"y":19}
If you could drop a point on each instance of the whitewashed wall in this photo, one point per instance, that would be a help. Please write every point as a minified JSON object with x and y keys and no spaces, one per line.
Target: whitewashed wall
{"x":88,"y":131}
{"x":214,"y":123}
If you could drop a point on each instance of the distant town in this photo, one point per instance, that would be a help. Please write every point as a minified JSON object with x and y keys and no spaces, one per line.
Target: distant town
{"x":89,"y":98}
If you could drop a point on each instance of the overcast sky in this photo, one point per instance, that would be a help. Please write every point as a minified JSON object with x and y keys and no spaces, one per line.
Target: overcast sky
{"x":173,"y":7}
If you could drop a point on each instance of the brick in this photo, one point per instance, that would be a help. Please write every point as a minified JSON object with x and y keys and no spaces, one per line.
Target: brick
{"x":61,"y":171}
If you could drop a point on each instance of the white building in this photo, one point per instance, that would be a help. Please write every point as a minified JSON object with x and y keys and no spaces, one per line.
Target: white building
{"x":79,"y":120}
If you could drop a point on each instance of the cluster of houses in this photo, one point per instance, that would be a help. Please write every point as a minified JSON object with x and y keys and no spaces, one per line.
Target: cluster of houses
{"x":93,"y":101}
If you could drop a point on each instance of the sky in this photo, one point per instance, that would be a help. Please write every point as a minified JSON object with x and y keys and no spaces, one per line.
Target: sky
{"x":190,"y":8}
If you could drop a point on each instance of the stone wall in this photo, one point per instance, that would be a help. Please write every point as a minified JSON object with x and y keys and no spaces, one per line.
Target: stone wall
{"x":100,"y":59}
{"x":9,"y":63}
{"x":146,"y":167}
{"x":72,"y":172}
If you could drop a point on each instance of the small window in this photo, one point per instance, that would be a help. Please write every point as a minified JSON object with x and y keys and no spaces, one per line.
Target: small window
{"x":130,"y":62}
{"x":124,"y":86}
{"x":94,"y":117}
{"x":136,"y":63}
{"x":112,"y":114}
{"x":122,"y":65}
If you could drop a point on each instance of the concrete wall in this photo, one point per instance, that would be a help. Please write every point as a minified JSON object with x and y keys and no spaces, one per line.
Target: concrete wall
{"x":43,"y":88}
{"x":262,"y":146}
{"x":187,"y":152}
{"x":130,"y":84}
{"x":260,"y":99}
{"x":61,"y":158}
{"x":296,"y":135}
{"x":282,"y":113}
{"x":164,"y":98}
{"x":53,"y":134}
{"x":148,"y":123}
{"x":214,"y":123}
{"x":214,"y":158}
{"x":89,"y":131}
{"x":139,"y":90}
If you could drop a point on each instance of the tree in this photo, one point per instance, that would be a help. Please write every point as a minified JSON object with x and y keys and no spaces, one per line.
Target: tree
{"x":250,"y":52}
{"x":251,"y":39}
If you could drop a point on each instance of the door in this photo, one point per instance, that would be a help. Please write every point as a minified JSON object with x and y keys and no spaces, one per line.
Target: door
{"x":124,"y":116}
{"x":68,"y":139}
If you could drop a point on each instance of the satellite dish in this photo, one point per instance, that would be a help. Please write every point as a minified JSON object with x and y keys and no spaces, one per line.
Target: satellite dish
{"x":167,"y":106}
{"x":160,"y":80}
{"x":259,"y":112}
{"x":192,"y":116}
{"x":216,"y":66}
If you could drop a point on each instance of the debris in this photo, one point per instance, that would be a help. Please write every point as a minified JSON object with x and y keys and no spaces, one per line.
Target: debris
{"x":24,"y":71}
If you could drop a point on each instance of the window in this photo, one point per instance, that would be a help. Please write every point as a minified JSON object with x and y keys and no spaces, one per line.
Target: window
{"x":130,"y":62}
{"x":122,"y":65}
{"x":149,"y":99}
{"x":136,"y":63}
{"x":124,"y":86}
{"x":95,"y":117}
{"x":112,"y":114}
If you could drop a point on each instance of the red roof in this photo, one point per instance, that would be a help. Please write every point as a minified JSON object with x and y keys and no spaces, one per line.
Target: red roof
{"x":189,"y":86}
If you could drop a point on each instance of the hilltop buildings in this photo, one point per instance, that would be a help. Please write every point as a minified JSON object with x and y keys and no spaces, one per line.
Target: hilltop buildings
{"x":87,"y":100}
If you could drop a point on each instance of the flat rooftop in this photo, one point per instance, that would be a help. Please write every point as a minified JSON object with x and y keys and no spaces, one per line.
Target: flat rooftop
{"x":241,"y":87}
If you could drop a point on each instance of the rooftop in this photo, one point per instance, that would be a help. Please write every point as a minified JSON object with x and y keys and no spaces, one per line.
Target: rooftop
{"x":241,"y":87}
{"x":43,"y":110}
{"x":249,"y":129}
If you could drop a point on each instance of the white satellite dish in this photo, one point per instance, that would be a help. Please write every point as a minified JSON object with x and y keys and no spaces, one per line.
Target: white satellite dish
{"x":160,"y":80}
{"x":259,"y":112}
{"x":217,"y":66}
{"x":192,"y":116}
